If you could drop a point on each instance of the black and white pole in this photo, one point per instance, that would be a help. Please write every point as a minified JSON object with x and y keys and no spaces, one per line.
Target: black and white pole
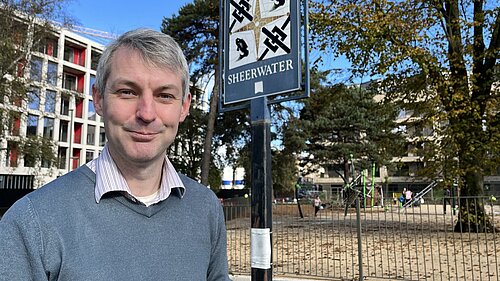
{"x":261,"y":193}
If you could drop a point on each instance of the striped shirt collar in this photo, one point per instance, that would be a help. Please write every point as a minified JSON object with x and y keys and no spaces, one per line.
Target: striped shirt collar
{"x":109,"y":178}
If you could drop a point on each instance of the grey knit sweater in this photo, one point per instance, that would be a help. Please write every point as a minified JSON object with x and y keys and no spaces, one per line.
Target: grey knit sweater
{"x":59,"y":232}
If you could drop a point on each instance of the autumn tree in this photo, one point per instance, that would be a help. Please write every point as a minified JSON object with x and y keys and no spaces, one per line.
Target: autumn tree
{"x":443,"y":54}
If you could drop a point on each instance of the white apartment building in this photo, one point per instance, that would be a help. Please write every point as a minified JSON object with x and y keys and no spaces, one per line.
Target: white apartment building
{"x":393,"y":182}
{"x":61,"y":72}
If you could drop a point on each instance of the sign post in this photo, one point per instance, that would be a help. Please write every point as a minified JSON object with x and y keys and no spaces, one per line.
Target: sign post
{"x":261,"y":49}
{"x":259,"y":58}
{"x":261,"y":195}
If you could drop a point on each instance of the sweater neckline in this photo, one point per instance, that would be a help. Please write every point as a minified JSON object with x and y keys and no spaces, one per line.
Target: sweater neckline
{"x":140,"y":208}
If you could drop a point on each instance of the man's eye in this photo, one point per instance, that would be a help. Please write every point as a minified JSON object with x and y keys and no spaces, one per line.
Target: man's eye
{"x":126,"y":93}
{"x":164,"y":97}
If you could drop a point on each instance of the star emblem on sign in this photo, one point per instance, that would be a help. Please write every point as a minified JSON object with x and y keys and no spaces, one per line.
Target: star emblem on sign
{"x":259,"y":30}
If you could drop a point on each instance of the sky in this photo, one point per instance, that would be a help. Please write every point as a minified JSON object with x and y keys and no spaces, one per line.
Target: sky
{"x":117,"y":17}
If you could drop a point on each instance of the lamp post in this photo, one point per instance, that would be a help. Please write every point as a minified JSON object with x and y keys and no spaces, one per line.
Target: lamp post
{"x":71,"y":111}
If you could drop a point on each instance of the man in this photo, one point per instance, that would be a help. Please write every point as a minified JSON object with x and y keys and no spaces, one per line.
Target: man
{"x":126,"y":215}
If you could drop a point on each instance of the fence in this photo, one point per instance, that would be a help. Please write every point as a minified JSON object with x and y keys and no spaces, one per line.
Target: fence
{"x":414,"y":243}
{"x":13,"y":187}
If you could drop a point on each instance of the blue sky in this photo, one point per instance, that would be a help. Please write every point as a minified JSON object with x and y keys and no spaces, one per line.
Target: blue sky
{"x":118,"y":17}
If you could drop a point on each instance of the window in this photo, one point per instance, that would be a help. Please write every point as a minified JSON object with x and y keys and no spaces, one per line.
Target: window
{"x":92,"y":81}
{"x":403,"y":170}
{"x":77,"y":132}
{"x":20,"y":68}
{"x":64,"y":110}
{"x":32,"y":125}
{"x":75,"y":159}
{"x":11,"y":160}
{"x":52,"y":73}
{"x":94,"y":59}
{"x":63,"y":130}
{"x":74,"y":54}
{"x":36,"y":69}
{"x":50,"y":101}
{"x":15,"y":122}
{"x":377,"y":171}
{"x":69,"y":54}
{"x":48,"y":127}
{"x":61,"y":157}
{"x":29,"y":160}
{"x":89,"y":156}
{"x":102,"y":136}
{"x":69,"y":82}
{"x":20,"y":32}
{"x":91,"y":113}
{"x":78,"y":107}
{"x":48,"y":47}
{"x":34,"y":99}
{"x":46,"y":163}
{"x":90,"y":134}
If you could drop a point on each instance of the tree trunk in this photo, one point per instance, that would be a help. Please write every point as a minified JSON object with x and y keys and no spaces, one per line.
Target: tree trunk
{"x":472,"y":216}
{"x":207,"y":145}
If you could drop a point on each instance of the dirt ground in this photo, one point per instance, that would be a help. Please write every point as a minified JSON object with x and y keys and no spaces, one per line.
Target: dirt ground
{"x":396,"y":244}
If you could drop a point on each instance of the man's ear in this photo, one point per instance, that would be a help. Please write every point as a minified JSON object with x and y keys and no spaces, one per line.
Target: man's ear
{"x":185,"y":107}
{"x":98,"y":99}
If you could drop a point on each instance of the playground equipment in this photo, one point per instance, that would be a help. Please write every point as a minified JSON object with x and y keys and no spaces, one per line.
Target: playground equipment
{"x":351,"y":193}
{"x":415,"y":200}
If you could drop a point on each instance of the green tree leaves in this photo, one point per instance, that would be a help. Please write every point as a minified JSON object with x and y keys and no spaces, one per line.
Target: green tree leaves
{"x":338,"y":121}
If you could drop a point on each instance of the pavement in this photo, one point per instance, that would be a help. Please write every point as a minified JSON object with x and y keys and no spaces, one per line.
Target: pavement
{"x":281,"y":278}
{"x":248,"y":278}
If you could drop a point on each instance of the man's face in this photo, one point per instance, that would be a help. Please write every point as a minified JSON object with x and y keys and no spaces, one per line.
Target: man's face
{"x":142,"y":108}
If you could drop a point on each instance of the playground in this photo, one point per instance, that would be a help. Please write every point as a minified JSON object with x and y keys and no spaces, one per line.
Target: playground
{"x":397,"y":243}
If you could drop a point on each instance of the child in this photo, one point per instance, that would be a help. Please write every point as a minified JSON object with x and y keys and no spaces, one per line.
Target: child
{"x":317,"y":205}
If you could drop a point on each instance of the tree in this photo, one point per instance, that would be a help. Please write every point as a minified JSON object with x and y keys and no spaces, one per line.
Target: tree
{"x":196,"y":28}
{"x":339,"y":123}
{"x":189,"y":142}
{"x":189,"y":139}
{"x":443,"y":54}
{"x":284,"y":171}
{"x":25,"y":26}
{"x":284,"y":168}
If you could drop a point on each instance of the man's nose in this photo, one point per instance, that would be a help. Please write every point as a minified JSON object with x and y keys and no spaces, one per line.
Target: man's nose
{"x":146,"y":110}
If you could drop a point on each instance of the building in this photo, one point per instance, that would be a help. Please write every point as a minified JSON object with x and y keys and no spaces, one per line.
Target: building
{"x":233,"y":178}
{"x":61,"y":71}
{"x":406,"y":176}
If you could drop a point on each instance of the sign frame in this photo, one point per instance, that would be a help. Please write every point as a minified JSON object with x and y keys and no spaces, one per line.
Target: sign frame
{"x":244,"y":78}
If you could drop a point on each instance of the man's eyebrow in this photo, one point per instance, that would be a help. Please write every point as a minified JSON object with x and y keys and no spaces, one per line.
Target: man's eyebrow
{"x":132,"y":84}
{"x":123,"y":82}
{"x":168,"y":87}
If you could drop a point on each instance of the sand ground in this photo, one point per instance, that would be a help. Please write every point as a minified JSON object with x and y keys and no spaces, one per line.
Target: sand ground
{"x":396,"y":244}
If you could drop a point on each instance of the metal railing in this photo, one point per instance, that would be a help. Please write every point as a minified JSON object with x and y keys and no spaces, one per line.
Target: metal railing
{"x":413,"y":243}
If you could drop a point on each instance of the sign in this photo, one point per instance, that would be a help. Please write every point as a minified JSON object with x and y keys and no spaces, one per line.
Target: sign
{"x":261,"y":49}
